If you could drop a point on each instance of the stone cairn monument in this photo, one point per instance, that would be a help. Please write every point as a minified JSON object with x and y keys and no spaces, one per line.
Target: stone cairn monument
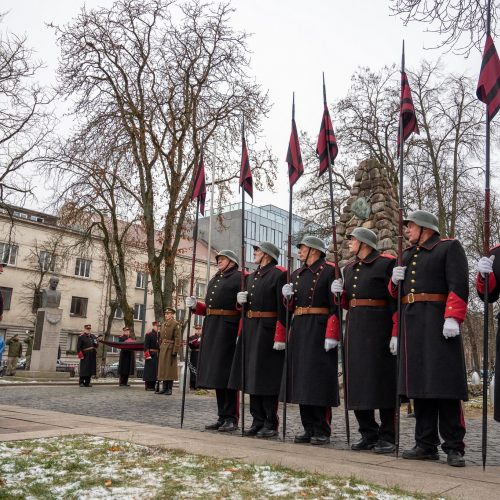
{"x":372,"y":204}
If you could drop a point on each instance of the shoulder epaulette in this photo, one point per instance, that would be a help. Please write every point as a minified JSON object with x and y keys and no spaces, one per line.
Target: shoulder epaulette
{"x":387,"y":255}
{"x":330,"y":263}
{"x":281,"y":268}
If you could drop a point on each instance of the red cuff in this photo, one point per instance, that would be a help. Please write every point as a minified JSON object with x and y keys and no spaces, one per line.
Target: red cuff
{"x":332,"y":328}
{"x":280,"y":332}
{"x":200,"y":309}
{"x":147,"y":355}
{"x":455,"y":307}
{"x":480,"y":281}
{"x":394,"y":325}
{"x":393,"y":289}
{"x":80,"y":354}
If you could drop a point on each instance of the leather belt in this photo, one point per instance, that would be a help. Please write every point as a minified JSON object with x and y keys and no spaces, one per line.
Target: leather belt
{"x":89,"y":349}
{"x":222,"y":312}
{"x":367,"y":302}
{"x":300,"y":311}
{"x":424,"y":297}
{"x":167,"y":342}
{"x":262,"y":314}
{"x":154,"y":350}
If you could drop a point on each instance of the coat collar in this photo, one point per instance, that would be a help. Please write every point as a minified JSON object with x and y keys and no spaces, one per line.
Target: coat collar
{"x":371,"y":257}
{"x":314,"y":267}
{"x":265,"y":268}
{"x":429,"y":244}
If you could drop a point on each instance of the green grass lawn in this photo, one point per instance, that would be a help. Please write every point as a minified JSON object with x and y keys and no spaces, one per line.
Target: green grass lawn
{"x":84,"y":467}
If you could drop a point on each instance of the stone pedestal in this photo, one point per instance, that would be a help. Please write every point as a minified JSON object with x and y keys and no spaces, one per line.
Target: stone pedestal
{"x":46,"y":341}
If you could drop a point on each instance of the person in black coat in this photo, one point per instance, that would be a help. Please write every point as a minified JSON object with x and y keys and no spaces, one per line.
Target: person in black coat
{"x":126,"y":362}
{"x":86,"y":351}
{"x":263,"y":364}
{"x":151,"y":350}
{"x":435,"y":282}
{"x":218,"y":339}
{"x":370,"y":341}
{"x":194,"y":350}
{"x":312,"y":371}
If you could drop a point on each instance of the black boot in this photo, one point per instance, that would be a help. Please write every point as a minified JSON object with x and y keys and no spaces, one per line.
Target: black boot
{"x":164,"y":387}
{"x":170,"y":384}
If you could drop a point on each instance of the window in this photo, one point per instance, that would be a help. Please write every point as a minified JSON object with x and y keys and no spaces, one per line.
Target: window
{"x":263,"y":233}
{"x":8,"y":253}
{"x":71,"y":342}
{"x":82,"y":268}
{"x":180,"y":314}
{"x":249,"y":254}
{"x":112,"y":350}
{"x":201,"y":289}
{"x":7,"y":297}
{"x":198,"y":320}
{"x":138,"y":312}
{"x":182,"y":287}
{"x":47,"y":261}
{"x":79,"y":306}
{"x":118,"y":313}
{"x":141,"y":280}
{"x":250,"y":229}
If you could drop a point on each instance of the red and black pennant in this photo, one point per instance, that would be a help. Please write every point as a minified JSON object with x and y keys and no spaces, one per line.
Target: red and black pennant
{"x":488,"y":85}
{"x":199,"y":186}
{"x":407,"y":115}
{"x":246,"y":181}
{"x":293,"y":157}
{"x":326,"y":141}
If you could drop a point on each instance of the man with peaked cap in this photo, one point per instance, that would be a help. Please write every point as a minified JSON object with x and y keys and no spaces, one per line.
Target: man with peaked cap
{"x":434,"y":277}
{"x":126,"y":362}
{"x":312,"y":359}
{"x":151,"y":352}
{"x":263,"y":364}
{"x":170,"y":343}
{"x":86,"y":350}
{"x":370,"y":340}
{"x":218,"y":339}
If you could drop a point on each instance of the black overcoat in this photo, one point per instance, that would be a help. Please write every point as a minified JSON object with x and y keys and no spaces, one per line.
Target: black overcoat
{"x":88,"y":364}
{"x":312,"y":372}
{"x":219,"y":333}
{"x":151,"y":364}
{"x":263,"y":365}
{"x":432,"y":366}
{"x":371,"y":368}
{"x":126,"y":361}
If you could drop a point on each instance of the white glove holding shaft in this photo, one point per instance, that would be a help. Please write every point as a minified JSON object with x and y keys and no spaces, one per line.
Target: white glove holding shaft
{"x":337,"y":286}
{"x":331,"y":344}
{"x":287,"y":291}
{"x":393,"y":346}
{"x":398,"y":274}
{"x":191,"y":302}
{"x":485,"y":265}
{"x":451,"y":328}
{"x":242,"y":297}
{"x":279,"y":346}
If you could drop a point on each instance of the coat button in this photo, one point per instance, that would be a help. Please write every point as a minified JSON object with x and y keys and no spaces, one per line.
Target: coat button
{"x":412,"y":281}
{"x":412,"y":290}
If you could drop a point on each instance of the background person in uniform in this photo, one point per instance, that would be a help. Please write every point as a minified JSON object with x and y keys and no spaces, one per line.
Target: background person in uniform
{"x":170,"y":343}
{"x":218,"y":340}
{"x":86,"y":351}
{"x":263,"y":364}
{"x":434,"y":277}
{"x":370,"y":340}
{"x":14,"y":353}
{"x":151,"y":350}
{"x":99,"y":354}
{"x":194,"y":349}
{"x":29,"y":349}
{"x":312,"y":360}
{"x":126,"y":361}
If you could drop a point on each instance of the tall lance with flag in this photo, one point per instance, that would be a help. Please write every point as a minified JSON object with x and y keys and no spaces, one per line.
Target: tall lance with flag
{"x":407,"y":125}
{"x":199,"y":194}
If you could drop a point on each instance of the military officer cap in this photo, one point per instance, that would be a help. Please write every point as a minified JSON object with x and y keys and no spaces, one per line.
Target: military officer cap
{"x":313,"y":242}
{"x":155,"y":323}
{"x":364,"y":235}
{"x":423,"y":218}
{"x":169,"y":310}
{"x":229,"y":254}
{"x":269,"y":249}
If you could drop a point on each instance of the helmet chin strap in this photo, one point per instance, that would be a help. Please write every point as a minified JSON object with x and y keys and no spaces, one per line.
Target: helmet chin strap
{"x":228,"y":262}
{"x":420,"y":235}
{"x":307,"y":256}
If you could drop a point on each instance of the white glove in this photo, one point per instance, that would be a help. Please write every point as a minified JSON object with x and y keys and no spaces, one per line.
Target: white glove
{"x":242,"y":297}
{"x":398,"y":274}
{"x":393,"y":345}
{"x":451,"y":328}
{"x":331,"y":344}
{"x":337,"y":286}
{"x":279,"y":346}
{"x":287,"y":291}
{"x":191,"y":302}
{"x":485,"y":265}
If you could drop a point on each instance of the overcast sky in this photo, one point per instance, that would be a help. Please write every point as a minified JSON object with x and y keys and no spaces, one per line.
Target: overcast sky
{"x":293,"y":42}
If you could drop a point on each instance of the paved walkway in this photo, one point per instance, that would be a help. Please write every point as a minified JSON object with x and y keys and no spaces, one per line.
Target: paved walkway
{"x":142,"y":417}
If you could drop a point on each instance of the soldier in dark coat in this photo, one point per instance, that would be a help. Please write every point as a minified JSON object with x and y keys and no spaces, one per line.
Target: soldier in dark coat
{"x":194,"y":350}
{"x":263,"y":364}
{"x":370,"y":341}
{"x":312,"y":359}
{"x":491,"y":266}
{"x":170,"y":343}
{"x":126,"y":362}
{"x":151,"y":350}
{"x":86,"y":351}
{"x":434,"y":277}
{"x":218,"y":340}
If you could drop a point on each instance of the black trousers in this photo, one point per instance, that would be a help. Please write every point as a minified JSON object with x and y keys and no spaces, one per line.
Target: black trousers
{"x":227,"y":405}
{"x":150,"y":384}
{"x":371,"y":430}
{"x":445,"y":415}
{"x":124,"y":379}
{"x":316,"y":420}
{"x":85,"y":381}
{"x":193,"y":359}
{"x":264,"y":410}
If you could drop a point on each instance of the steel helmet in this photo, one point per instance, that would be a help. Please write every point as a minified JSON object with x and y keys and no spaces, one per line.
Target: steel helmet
{"x":365,"y":236}
{"x":269,"y":249}
{"x":423,"y":218}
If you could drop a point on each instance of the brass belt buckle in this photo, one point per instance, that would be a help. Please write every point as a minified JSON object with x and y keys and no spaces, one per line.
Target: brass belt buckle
{"x":298,"y":311}
{"x":353,"y":302}
{"x":249,"y":314}
{"x":411,"y":298}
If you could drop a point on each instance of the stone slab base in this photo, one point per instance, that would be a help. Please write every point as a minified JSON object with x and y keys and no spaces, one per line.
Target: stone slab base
{"x":42,"y":375}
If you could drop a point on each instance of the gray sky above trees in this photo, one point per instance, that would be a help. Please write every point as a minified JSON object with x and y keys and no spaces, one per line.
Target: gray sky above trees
{"x":293,"y":42}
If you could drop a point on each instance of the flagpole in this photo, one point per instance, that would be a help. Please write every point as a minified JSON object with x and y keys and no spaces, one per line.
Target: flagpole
{"x":211,"y":213}
{"x":242,"y":288}
{"x":484,"y":440}
{"x":337,"y":276}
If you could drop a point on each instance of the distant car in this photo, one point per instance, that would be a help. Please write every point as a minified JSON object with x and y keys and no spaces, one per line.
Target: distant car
{"x":111,"y":371}
{"x":21,"y":364}
{"x":61,"y":366}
